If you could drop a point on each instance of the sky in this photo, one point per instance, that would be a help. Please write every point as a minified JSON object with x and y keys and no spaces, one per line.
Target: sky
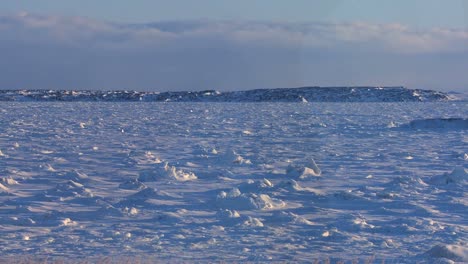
{"x":232,"y":45}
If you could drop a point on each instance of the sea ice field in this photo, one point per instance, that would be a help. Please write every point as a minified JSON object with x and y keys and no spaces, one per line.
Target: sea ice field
{"x":234,"y":182}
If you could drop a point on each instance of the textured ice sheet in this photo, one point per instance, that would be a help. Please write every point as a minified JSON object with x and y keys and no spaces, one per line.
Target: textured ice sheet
{"x":233,"y":182}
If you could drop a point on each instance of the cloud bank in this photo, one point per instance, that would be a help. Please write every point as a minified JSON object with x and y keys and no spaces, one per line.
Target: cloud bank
{"x":55,"y":52}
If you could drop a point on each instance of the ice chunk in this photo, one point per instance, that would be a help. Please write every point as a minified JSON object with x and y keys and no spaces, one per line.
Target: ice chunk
{"x":166,"y":171}
{"x":2,"y":155}
{"x":132,"y":185}
{"x":303,"y":172}
{"x":8,"y":181}
{"x":228,"y":214}
{"x":253,"y":222}
{"x":255,"y":186}
{"x":452,"y":252}
{"x":4,"y":189}
{"x":234,"y":157}
{"x":458,"y":176}
{"x":245,"y":201}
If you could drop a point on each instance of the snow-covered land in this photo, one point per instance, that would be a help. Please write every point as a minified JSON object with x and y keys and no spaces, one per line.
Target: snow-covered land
{"x":206,"y":182}
{"x":304,"y":94}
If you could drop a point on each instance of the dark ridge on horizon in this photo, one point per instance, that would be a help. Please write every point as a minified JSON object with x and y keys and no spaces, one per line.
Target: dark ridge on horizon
{"x":300,"y":94}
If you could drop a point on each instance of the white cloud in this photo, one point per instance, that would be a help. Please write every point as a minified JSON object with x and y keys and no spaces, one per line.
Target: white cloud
{"x":222,"y":54}
{"x":84,"y":31}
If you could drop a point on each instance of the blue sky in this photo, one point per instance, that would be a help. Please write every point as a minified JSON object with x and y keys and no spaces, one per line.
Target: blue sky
{"x":232,"y":45}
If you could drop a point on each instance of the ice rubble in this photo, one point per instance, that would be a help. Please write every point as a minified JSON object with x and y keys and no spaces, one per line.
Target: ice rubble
{"x":166,"y":171}
{"x":456,"y":253}
{"x":4,"y":189}
{"x":8,"y":181}
{"x":2,"y":154}
{"x":236,"y":200}
{"x":304,"y":171}
{"x":292,"y":218}
{"x":103,"y":204}
{"x":458,"y":176}
{"x":231,"y":157}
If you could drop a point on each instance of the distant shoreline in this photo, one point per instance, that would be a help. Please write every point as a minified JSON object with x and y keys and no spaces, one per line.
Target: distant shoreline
{"x":301,"y":94}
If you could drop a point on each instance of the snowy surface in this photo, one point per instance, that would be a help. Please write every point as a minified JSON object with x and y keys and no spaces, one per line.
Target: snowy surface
{"x":235,"y":182}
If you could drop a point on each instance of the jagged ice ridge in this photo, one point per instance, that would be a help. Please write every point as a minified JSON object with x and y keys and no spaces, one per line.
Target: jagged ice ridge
{"x":303,"y":94}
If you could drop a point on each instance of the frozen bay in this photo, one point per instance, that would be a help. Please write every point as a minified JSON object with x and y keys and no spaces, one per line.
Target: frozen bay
{"x":235,"y":181}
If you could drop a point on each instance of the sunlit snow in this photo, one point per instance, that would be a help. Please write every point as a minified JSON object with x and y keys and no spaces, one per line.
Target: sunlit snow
{"x":235,"y":181}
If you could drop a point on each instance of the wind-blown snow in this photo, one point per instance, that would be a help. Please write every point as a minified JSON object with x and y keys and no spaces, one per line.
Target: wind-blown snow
{"x":210,"y":182}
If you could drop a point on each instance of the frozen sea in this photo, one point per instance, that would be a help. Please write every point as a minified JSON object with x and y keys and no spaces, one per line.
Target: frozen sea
{"x":234,"y":182}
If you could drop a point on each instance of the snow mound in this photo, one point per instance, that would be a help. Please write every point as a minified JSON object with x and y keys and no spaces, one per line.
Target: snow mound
{"x":255,"y":186}
{"x":4,"y":190}
{"x":229,"y":217}
{"x":8,"y":181}
{"x":47,"y":167}
{"x":228,"y":214}
{"x":452,"y":252}
{"x":293,"y":186}
{"x":356,"y":223}
{"x":407,"y":181}
{"x":205,"y":151}
{"x":163,"y":171}
{"x":145,"y":194}
{"x":109,"y":210}
{"x":233,"y":157}
{"x":132,"y":185}
{"x":67,"y":222}
{"x":348,"y":195}
{"x":303,"y":172}
{"x":236,"y":200}
{"x":147,"y":158}
{"x":70,"y":189}
{"x":139,"y":198}
{"x":290,"y":185}
{"x":292,"y":218}
{"x":253,"y":222}
{"x":458,"y":176}
{"x":76,"y":176}
{"x":438,"y":123}
{"x":2,"y":154}
{"x":398,"y":185}
{"x":54,"y":219}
